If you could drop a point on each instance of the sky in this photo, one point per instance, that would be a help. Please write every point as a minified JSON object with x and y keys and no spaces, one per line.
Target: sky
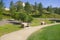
{"x":45,"y":3}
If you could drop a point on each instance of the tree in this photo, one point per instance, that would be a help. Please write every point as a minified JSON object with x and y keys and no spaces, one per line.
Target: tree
{"x":1,"y":5}
{"x":1,"y":8}
{"x":57,"y":10}
{"x":28,"y":8}
{"x":19,"y":6}
{"x":23,"y":17}
{"x":50,"y":9}
{"x":36,"y":6}
{"x":35,"y":11}
{"x":21,"y":14}
{"x":29,"y":18}
{"x":40,"y":8}
{"x":12,"y":9}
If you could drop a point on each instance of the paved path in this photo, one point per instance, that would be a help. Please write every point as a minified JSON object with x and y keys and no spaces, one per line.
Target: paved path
{"x":22,"y":34}
{"x":3,"y":22}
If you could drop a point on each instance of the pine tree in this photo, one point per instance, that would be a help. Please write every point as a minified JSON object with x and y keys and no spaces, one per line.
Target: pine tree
{"x":40,"y":8}
{"x":1,"y":8}
{"x":36,"y":6}
{"x":50,"y":9}
{"x":28,"y":8}
{"x":57,"y":10}
{"x":19,"y":6}
{"x":35,"y":10}
{"x":12,"y":9}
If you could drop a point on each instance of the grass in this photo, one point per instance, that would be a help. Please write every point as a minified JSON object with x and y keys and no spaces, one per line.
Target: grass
{"x":37,"y":22}
{"x":47,"y":33}
{"x":8,"y":28}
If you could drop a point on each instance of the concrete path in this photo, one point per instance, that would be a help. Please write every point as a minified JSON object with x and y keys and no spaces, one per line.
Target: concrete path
{"x":3,"y":22}
{"x":23,"y":34}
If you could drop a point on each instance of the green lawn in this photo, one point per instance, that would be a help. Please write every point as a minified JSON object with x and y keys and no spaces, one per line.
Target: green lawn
{"x":37,"y":22}
{"x":8,"y":28}
{"x":47,"y":33}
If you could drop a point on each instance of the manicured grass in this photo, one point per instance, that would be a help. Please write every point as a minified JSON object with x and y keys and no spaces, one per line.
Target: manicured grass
{"x":8,"y":28}
{"x":47,"y":33}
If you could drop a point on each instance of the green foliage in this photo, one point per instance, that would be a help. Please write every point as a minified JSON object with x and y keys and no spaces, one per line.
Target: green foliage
{"x":50,"y":9}
{"x":28,"y":8}
{"x":53,"y":15}
{"x":29,"y":11}
{"x":16,"y":15}
{"x":19,"y":12}
{"x":47,"y":33}
{"x":1,"y":5}
{"x":22,"y":16}
{"x":35,"y":6}
{"x":1,"y":8}
{"x":29,"y":18}
{"x":57,"y":10}
{"x":12,"y":9}
{"x":40,"y":8}
{"x":25,"y":18}
{"x":19,"y":6}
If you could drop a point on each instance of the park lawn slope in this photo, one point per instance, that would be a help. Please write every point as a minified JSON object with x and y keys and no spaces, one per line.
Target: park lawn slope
{"x":37,"y":22}
{"x":8,"y":28}
{"x":47,"y":33}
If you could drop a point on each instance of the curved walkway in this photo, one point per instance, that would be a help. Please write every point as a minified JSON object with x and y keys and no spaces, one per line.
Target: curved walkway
{"x":23,"y":34}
